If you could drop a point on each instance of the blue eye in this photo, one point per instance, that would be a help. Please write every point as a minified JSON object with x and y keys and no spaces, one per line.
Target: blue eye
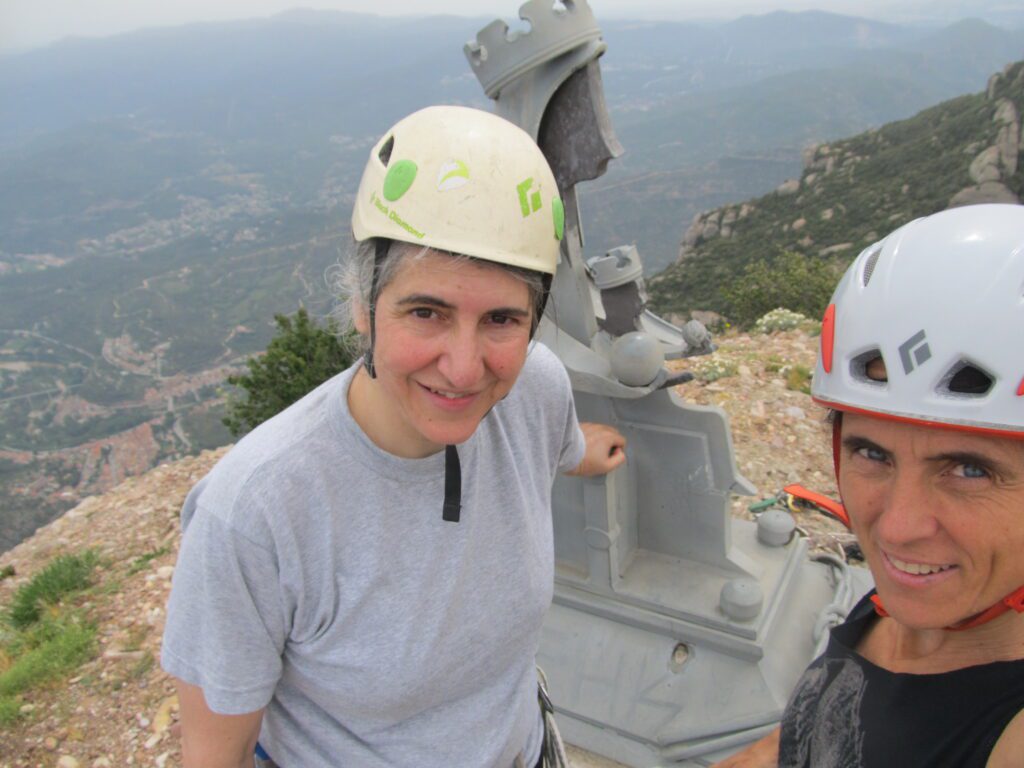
{"x":970,"y":471}
{"x":871,"y":454}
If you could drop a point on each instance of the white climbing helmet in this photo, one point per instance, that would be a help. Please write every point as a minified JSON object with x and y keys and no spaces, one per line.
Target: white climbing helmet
{"x":465,"y":181}
{"x":941,"y":301}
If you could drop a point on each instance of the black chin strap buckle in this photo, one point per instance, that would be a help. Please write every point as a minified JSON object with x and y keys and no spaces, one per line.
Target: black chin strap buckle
{"x":452,"y":485}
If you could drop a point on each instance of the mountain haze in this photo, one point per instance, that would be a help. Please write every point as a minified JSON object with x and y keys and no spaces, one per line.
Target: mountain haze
{"x":164,"y":193}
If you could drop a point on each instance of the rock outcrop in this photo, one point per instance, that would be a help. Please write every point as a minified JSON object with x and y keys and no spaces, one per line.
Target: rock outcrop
{"x":995,"y":164}
{"x":990,"y":174}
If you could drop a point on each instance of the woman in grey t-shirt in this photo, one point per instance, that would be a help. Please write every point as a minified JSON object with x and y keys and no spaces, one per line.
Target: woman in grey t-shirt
{"x":363,"y":577}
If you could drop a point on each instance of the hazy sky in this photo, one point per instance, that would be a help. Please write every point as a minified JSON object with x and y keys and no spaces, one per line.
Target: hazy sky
{"x":30,"y":23}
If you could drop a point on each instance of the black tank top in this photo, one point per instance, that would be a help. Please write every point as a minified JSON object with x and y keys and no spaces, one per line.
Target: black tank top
{"x":848,"y":713}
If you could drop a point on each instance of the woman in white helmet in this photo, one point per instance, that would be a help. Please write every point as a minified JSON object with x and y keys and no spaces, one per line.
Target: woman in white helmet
{"x":363,"y":578}
{"x":922,"y":364}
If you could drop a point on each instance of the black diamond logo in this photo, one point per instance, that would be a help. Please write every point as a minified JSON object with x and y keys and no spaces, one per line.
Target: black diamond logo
{"x":914,"y":350}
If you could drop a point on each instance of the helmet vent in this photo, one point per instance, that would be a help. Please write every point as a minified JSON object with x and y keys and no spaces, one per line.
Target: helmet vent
{"x":869,"y":264}
{"x":385,"y":151}
{"x":869,"y":367}
{"x":967,"y":379}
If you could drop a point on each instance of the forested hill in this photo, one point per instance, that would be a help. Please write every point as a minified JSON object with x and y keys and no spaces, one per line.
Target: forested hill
{"x":851,"y":192}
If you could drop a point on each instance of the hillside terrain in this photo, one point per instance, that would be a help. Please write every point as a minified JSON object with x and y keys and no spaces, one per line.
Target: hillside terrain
{"x":117,"y":708}
{"x":853,"y":191}
{"x":164,"y":193}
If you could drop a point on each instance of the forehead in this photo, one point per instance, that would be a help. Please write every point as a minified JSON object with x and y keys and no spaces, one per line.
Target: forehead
{"x":892,"y":435}
{"x":426,"y":271}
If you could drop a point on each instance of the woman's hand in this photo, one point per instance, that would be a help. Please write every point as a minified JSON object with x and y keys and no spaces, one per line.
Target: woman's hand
{"x":606,"y":449}
{"x":760,"y":754}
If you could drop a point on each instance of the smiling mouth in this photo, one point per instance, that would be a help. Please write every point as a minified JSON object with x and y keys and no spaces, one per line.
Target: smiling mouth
{"x":917,"y":569}
{"x":447,"y":393}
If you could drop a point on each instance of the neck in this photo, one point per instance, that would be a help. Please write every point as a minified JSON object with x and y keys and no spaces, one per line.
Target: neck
{"x":900,"y":648}
{"x":380,"y":421}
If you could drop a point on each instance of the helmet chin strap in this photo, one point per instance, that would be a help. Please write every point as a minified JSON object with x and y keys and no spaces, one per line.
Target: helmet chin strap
{"x":1014,"y":600}
{"x":380,"y":253}
{"x":452,"y":509}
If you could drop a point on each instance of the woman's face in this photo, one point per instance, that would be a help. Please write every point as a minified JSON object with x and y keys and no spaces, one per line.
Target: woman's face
{"x":451,"y":338}
{"x":939,"y":514}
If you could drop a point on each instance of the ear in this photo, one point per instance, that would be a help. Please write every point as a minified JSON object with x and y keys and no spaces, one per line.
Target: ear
{"x":361,"y":318}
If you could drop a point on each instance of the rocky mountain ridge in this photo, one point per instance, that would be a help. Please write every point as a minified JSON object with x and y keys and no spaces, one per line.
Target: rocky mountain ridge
{"x":850,"y":192}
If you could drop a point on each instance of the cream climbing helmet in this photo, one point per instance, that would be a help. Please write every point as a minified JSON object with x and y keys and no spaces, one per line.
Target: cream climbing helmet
{"x":465,"y":181}
{"x":941,"y":302}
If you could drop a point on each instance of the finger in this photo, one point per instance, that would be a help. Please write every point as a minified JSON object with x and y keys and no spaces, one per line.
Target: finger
{"x":616,"y":458}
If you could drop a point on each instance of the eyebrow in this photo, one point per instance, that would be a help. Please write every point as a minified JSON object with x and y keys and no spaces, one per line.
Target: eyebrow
{"x":425,"y":299}
{"x":968,"y":457}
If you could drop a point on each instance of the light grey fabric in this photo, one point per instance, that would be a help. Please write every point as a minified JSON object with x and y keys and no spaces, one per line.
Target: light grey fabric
{"x":317,"y":579}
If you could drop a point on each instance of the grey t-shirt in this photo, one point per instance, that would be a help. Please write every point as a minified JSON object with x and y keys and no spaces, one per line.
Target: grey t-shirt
{"x":317,"y":579}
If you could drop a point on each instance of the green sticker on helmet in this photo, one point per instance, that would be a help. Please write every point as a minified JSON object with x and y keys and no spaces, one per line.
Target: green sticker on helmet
{"x":400,"y":177}
{"x":558,"y":214}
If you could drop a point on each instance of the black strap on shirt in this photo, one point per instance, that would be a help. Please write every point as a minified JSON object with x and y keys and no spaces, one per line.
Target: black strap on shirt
{"x":452,"y":485}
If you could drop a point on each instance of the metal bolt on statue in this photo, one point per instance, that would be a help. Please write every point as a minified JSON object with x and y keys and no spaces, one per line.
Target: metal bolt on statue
{"x":676,"y":632}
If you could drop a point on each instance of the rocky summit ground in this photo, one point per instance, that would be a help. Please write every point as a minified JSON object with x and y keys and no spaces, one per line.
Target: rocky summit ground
{"x":118,"y":709}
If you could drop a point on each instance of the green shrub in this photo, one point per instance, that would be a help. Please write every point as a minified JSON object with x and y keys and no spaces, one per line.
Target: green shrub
{"x":64,"y":575}
{"x":792,"y":281}
{"x":143,"y":561}
{"x":42,"y":640}
{"x":10,"y":710}
{"x":300,"y":357}
{"x":714,"y":368}
{"x":780,"y":319}
{"x":798,"y":378}
{"x":64,"y":645}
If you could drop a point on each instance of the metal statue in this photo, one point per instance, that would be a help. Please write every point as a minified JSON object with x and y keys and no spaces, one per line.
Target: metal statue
{"x":676,"y":631}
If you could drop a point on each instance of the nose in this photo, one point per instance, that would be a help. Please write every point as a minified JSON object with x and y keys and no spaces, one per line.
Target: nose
{"x":907,"y":513}
{"x":462,"y":361}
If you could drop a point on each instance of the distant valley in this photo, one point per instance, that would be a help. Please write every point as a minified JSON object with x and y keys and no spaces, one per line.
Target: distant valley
{"x":164,"y":193}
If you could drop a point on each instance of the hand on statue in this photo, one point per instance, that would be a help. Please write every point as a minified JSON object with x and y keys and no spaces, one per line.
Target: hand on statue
{"x":760,"y":754}
{"x":606,"y":450}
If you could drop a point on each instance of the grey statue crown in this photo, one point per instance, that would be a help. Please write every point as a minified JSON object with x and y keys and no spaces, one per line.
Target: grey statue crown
{"x":498,"y":56}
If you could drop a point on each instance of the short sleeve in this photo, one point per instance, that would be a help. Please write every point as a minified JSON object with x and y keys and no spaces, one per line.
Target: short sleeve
{"x":573,"y":444}
{"x":226,"y":620}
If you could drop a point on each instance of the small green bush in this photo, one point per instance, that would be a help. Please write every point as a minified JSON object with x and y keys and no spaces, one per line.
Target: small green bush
{"x":67,"y":644}
{"x":780,"y":319}
{"x":64,"y":575}
{"x":798,"y":378}
{"x":792,"y":281}
{"x":42,"y":640}
{"x":142,"y":561}
{"x":714,"y":368}
{"x":300,"y":357}
{"x":10,"y":710}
